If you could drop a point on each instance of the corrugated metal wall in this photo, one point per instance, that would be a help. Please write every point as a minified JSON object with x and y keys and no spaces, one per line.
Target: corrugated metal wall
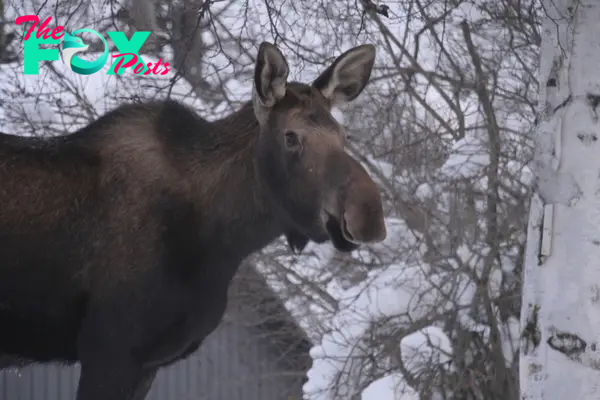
{"x":236,"y":362}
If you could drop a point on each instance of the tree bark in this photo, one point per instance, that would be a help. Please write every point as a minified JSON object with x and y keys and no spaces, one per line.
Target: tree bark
{"x":560,"y":318}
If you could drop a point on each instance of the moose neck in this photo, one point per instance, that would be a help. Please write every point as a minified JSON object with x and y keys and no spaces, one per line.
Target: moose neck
{"x":237,"y":208}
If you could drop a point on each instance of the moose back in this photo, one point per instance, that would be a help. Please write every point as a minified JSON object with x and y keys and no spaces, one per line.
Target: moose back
{"x":118,"y":241}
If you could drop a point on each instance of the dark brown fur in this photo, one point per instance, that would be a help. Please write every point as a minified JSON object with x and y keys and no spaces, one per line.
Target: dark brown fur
{"x":118,"y":242}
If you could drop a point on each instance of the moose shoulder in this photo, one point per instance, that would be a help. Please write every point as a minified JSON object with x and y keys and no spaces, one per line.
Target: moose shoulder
{"x":118,"y":242}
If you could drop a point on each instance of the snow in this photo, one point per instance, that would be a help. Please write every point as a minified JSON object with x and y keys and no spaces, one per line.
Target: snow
{"x":511,"y":333}
{"x":468,"y":158}
{"x":424,"y":191}
{"x":389,"y":387}
{"x":387,"y":294}
{"x":425,"y":348}
{"x":360,"y":306}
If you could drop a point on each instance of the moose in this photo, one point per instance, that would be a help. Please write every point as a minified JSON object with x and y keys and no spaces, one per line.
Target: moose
{"x":118,"y":242}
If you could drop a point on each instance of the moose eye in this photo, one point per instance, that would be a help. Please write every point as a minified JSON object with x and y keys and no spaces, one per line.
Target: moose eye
{"x":291,"y":140}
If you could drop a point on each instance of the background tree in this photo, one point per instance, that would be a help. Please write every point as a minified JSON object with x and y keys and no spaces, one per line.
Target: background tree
{"x":560,"y":299}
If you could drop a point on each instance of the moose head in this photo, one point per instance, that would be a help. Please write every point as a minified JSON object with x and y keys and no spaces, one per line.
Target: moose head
{"x":318,"y":191}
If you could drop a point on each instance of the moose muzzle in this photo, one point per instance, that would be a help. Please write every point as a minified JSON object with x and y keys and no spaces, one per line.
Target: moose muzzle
{"x":357,"y":203}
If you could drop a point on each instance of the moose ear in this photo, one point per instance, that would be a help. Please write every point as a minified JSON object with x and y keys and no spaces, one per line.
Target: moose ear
{"x":348,"y":75}
{"x":270,"y":76}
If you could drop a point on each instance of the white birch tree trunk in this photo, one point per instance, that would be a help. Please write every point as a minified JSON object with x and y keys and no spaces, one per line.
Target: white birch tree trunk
{"x":560,"y":319}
